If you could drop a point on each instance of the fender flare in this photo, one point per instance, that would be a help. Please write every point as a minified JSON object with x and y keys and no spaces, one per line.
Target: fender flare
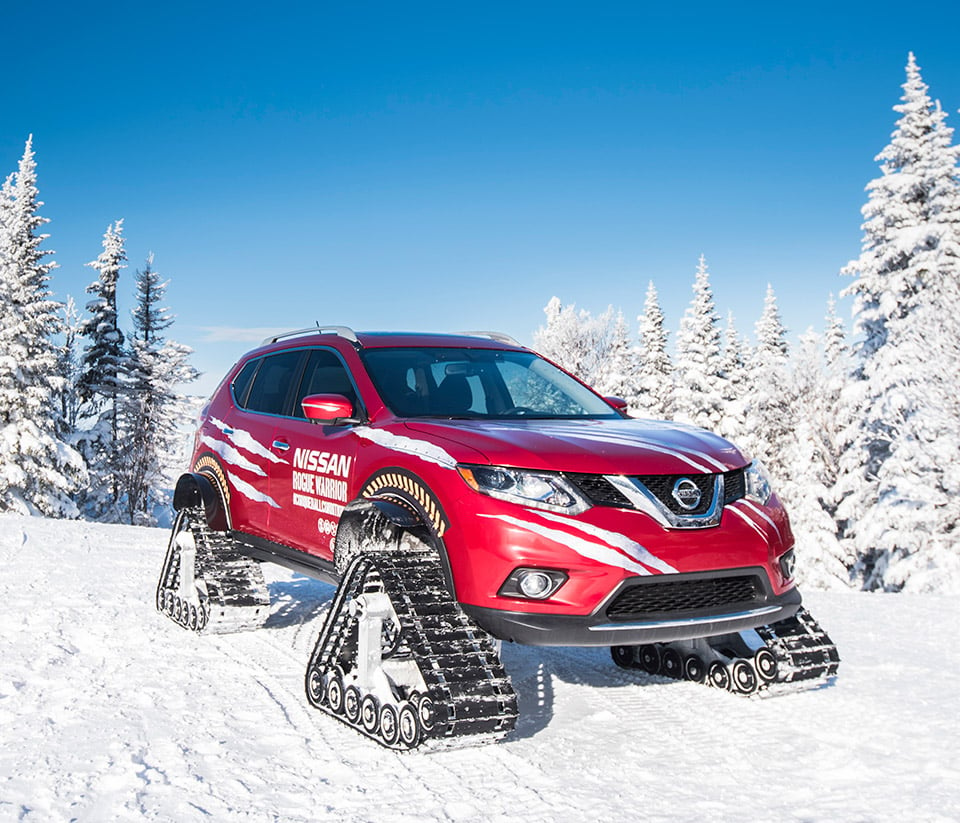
{"x":199,"y":489}
{"x":402,"y":508}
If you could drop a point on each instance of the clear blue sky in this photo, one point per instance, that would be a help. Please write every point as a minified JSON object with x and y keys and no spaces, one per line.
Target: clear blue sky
{"x":451,"y":166}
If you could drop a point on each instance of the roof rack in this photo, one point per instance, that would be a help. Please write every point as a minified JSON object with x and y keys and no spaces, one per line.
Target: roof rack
{"x":343,"y":331}
{"x":500,"y":337}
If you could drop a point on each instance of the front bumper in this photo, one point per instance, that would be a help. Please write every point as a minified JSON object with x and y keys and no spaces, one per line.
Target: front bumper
{"x":637,"y":612}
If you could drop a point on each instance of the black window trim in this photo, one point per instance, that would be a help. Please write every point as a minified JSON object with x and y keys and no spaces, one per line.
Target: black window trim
{"x":295,"y":383}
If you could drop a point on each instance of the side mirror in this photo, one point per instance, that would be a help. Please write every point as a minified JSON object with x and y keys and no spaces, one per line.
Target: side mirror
{"x":328,"y":409}
{"x":618,"y":403}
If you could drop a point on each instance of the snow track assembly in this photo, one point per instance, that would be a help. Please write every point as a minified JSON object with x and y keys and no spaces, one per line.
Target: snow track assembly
{"x":461,"y":491}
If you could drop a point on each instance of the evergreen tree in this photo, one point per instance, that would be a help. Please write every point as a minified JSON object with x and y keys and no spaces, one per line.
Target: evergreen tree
{"x":733,"y":387}
{"x":102,"y":381}
{"x":38,"y":472}
{"x":769,"y":417}
{"x":698,"y":372}
{"x":617,"y":370}
{"x":150,"y":408}
{"x":654,"y":379}
{"x":811,"y":455}
{"x":69,"y":369}
{"x":897,"y":484}
{"x":577,"y":341}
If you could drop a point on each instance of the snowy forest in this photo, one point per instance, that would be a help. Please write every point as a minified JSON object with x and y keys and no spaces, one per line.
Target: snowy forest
{"x":860,"y":427}
{"x":87,"y":410}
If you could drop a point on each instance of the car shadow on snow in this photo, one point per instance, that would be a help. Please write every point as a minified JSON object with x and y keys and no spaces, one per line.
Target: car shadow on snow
{"x":300,"y":600}
{"x":534,"y":670}
{"x":297,"y":601}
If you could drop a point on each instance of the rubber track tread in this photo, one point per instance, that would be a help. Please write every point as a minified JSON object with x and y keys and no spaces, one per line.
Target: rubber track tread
{"x":471,"y":692}
{"x":805,"y":656}
{"x":231,"y":593}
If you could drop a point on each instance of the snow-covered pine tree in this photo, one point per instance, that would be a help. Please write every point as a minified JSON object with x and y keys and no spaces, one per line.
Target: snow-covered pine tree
{"x":809,"y":486}
{"x":896,"y":478}
{"x":654,"y":378}
{"x":151,"y":408}
{"x":769,"y":419}
{"x":69,"y":369}
{"x":38,"y":472}
{"x":102,"y":381}
{"x":577,"y":341}
{"x":698,"y":372}
{"x":617,"y":370}
{"x":733,"y":386}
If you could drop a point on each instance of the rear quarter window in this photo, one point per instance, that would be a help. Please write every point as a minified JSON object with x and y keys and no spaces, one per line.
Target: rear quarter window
{"x":241,"y":383}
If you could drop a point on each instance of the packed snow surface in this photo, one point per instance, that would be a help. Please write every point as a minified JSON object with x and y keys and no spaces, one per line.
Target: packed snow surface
{"x":108,"y":711}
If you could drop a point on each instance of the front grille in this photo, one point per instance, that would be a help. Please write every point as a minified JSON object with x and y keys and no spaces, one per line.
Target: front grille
{"x":663,"y":597}
{"x":734,"y":485}
{"x":601,"y":492}
{"x":661,"y":487}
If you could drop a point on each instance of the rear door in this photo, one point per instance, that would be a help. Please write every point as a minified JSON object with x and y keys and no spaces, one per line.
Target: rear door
{"x":314,"y":483}
{"x":255,"y":454}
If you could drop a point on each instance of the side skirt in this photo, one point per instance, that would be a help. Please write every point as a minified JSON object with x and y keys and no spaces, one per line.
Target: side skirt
{"x":266,"y":551}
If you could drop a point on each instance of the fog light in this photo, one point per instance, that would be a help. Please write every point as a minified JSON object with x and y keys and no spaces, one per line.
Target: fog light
{"x":533,"y":584}
{"x":787,"y":564}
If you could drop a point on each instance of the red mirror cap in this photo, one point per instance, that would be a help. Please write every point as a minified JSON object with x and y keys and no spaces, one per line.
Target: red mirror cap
{"x":326,"y":408}
{"x":617,"y":402}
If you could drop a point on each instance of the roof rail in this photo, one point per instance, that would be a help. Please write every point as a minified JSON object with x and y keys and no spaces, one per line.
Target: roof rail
{"x":500,"y":337}
{"x":343,"y":331}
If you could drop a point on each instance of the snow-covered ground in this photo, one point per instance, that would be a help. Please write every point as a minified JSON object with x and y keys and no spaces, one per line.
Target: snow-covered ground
{"x":110,"y":712}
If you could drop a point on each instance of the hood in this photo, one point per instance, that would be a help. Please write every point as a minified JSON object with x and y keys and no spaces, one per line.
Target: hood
{"x":628,"y":447}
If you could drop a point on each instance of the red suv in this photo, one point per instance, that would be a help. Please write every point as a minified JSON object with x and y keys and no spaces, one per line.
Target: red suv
{"x":468,"y":476}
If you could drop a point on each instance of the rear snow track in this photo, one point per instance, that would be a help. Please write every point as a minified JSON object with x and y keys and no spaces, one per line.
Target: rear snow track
{"x":110,"y":711}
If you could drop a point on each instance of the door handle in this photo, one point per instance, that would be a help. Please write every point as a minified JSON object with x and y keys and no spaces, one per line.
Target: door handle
{"x":279,"y":444}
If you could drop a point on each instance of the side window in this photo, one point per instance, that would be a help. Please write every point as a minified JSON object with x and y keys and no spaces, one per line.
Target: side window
{"x":242,"y":382}
{"x":325,"y":374}
{"x":273,"y":383}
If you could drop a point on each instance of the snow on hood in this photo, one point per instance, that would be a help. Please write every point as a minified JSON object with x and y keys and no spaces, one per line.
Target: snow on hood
{"x":591,"y":446}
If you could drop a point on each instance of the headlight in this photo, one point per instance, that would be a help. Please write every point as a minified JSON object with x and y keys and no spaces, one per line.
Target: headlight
{"x":758,"y":483}
{"x":537,"y":489}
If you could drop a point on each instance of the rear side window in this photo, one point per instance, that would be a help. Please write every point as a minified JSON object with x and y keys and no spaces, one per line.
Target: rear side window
{"x":242,"y":382}
{"x":274,"y":383}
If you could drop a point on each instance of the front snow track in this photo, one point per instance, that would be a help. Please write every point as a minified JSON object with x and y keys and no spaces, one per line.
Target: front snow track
{"x":791,"y":655}
{"x":205,"y":584}
{"x":399,"y":661}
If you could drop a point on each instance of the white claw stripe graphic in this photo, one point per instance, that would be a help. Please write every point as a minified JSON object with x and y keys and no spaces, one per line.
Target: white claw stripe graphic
{"x":416,"y":490}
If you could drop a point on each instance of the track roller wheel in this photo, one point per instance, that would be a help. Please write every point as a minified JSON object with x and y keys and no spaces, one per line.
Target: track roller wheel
{"x":649,"y":657}
{"x":718,"y":675}
{"x":408,"y":722}
{"x":370,"y":714}
{"x":335,"y":693}
{"x":389,"y":724}
{"x":744,"y":677}
{"x":351,"y":703}
{"x":315,"y":689}
{"x":765,"y":663}
{"x":671,"y":663}
{"x":624,"y":656}
{"x":427,"y":713}
{"x":694,"y":668}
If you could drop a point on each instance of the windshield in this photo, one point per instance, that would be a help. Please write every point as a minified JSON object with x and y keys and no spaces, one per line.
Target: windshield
{"x":478,"y":383}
